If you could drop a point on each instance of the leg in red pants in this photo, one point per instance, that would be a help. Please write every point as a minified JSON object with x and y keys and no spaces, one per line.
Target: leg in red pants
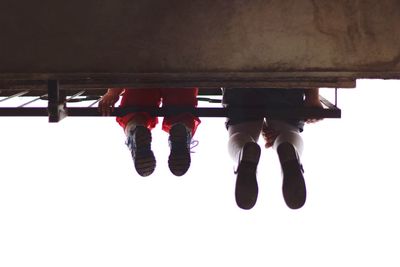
{"x":137,"y":126}
{"x":142,"y":97}
{"x":181,"y":127}
{"x":180,"y":97}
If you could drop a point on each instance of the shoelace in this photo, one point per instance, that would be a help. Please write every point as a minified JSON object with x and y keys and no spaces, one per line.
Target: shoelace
{"x":193,"y":144}
{"x":129,"y":143}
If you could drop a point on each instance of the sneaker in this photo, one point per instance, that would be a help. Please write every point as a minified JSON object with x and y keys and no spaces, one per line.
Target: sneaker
{"x":139,"y":143}
{"x":179,"y":141}
{"x":246,"y":190}
{"x":293,"y":186}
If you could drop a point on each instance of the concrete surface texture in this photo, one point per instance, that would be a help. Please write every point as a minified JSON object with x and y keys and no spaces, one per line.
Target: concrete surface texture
{"x":198,"y":36}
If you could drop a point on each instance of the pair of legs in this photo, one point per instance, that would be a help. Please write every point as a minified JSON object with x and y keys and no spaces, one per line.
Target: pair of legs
{"x":245,"y":153}
{"x":181,"y":127}
{"x":244,"y":130}
{"x":247,"y":132}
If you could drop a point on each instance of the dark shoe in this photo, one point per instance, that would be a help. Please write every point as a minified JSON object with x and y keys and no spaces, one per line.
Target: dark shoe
{"x":246,"y":191}
{"x":293,"y":187}
{"x":139,"y":143}
{"x":179,"y":142}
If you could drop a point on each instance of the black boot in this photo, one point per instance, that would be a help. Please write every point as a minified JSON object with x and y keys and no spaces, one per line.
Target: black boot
{"x":293,"y":186}
{"x":246,"y":190}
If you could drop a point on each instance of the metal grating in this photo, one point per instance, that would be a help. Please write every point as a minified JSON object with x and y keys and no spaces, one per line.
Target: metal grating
{"x":57,"y":101}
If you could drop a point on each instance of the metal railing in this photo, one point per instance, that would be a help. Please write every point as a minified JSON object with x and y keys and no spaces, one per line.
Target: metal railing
{"x":57,"y":106}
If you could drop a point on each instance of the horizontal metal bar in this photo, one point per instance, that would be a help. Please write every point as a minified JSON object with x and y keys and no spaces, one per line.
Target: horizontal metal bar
{"x":23,"y":112}
{"x":200,"y":112}
{"x":303,"y":112}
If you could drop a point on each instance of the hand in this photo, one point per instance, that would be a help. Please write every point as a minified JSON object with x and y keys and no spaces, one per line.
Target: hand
{"x":107,"y":102}
{"x":313,"y":104}
{"x":269,"y":134}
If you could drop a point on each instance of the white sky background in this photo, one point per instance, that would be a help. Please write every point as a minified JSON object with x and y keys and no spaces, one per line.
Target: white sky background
{"x":69,"y":195}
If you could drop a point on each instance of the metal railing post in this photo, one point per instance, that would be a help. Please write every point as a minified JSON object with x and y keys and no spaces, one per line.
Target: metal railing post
{"x":57,"y":107}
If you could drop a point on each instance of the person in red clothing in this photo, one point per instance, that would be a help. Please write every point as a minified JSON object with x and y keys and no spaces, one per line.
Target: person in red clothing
{"x":137,"y":125}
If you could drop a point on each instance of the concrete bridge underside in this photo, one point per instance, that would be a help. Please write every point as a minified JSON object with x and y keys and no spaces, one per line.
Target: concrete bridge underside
{"x":252,"y":43}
